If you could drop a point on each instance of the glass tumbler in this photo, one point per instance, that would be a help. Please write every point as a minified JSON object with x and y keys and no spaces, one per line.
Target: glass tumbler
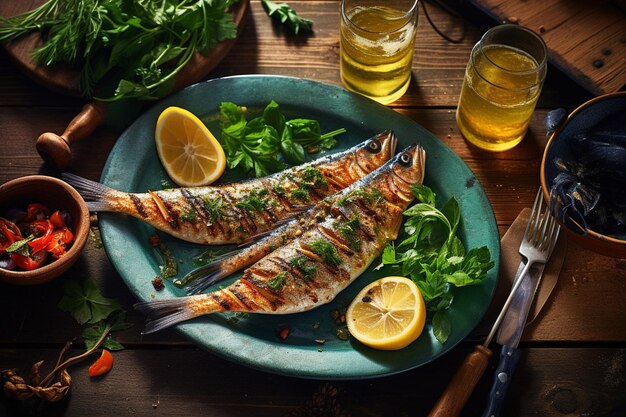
{"x":502,"y":83}
{"x":376,"y":47}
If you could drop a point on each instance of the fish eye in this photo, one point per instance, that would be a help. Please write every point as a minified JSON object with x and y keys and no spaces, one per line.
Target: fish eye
{"x":374,"y":146}
{"x":405,"y":159}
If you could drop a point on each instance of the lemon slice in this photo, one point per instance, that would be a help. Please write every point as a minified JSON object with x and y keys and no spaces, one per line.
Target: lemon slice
{"x":187,"y":149}
{"x":388,"y":314}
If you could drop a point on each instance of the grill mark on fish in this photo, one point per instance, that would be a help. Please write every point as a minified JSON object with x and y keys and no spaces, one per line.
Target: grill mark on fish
{"x":335,"y":239}
{"x":220,"y":300}
{"x":272,"y":298}
{"x":172,"y":213}
{"x":138,"y":205}
{"x":306,"y":250}
{"x":246,"y":222}
{"x":243,"y":299}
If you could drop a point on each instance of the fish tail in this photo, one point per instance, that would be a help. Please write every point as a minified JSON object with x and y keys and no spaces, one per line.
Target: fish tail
{"x":97,"y":194}
{"x":168,"y":312}
{"x":207,"y":275}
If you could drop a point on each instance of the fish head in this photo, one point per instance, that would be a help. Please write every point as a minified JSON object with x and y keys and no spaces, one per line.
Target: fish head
{"x":377,"y":150}
{"x":409,"y":166}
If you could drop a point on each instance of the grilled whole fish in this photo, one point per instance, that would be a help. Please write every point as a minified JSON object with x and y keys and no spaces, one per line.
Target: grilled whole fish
{"x":232,"y":213}
{"x":314,"y":267}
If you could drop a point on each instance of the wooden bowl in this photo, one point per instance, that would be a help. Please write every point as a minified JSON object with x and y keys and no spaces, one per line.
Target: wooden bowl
{"x":56,"y":195}
{"x":581,"y":119}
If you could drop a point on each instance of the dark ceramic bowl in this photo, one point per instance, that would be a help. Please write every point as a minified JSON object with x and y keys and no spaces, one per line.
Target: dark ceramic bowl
{"x":56,"y":195}
{"x":580,"y":120}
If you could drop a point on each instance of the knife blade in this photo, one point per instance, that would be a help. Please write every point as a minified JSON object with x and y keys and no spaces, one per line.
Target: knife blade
{"x":509,"y":335}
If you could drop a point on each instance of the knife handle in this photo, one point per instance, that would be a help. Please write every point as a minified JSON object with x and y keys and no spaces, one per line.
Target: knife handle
{"x":509,"y":356}
{"x":462,"y":385}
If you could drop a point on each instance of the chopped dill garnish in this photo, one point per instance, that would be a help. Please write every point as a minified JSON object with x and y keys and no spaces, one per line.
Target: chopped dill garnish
{"x":313,"y":176}
{"x":280,"y":191}
{"x":214,"y":208}
{"x":373,"y":196}
{"x":277,"y":281}
{"x":300,"y":262}
{"x":256,"y":200}
{"x":300,"y":194}
{"x":326,"y":251}
{"x":349,"y":229}
{"x":189,"y":216}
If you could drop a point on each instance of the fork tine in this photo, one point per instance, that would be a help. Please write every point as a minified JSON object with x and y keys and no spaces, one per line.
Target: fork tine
{"x":534,"y":219}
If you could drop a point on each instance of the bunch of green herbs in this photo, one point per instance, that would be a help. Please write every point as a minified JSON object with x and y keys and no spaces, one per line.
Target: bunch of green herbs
{"x":432,"y":255}
{"x":262,"y":145}
{"x":128,"y":48}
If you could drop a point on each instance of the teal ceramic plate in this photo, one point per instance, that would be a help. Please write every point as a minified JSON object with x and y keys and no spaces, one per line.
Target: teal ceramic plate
{"x":134,"y":166}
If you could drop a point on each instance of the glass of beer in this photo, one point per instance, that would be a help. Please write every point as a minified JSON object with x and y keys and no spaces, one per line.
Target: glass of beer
{"x":502,"y":83}
{"x":377,"y":38}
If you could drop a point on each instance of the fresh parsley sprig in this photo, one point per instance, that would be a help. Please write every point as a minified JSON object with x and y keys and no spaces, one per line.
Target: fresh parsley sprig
{"x":256,"y":145}
{"x":434,"y":257}
{"x":286,"y":15}
{"x":128,"y":49}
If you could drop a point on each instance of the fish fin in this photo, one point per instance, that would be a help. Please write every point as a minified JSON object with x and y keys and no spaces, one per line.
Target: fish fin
{"x":90,"y":190}
{"x":207,"y":275}
{"x":164,"y":313}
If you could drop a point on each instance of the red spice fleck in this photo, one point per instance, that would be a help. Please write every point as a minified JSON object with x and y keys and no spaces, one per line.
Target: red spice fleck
{"x":157,"y":283}
{"x":283,"y":332}
{"x":154,"y":240}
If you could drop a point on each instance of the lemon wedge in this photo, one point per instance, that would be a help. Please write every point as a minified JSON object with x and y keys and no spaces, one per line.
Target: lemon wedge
{"x":388,"y":314}
{"x":188,"y":151}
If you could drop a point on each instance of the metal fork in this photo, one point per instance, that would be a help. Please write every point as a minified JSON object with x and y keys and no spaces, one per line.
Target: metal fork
{"x":540,"y":237}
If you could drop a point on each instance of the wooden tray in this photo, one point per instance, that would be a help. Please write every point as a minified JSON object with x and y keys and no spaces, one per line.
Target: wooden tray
{"x":56,"y":148}
{"x":586,"y":39}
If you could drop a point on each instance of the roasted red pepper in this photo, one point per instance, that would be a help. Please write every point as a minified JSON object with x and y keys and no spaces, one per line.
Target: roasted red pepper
{"x":60,"y":239}
{"x":57,"y":220}
{"x":36,"y":211}
{"x":28,"y":263}
{"x":43,"y":229}
{"x":102,"y":365}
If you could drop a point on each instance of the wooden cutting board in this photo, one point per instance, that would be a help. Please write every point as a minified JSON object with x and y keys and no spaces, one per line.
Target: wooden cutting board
{"x":586,"y":39}
{"x":64,"y":80}
{"x":56,"y":149}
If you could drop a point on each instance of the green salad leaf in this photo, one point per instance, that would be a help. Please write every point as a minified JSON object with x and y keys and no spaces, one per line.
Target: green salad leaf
{"x":431,"y":254}
{"x":266,"y":143}
{"x":85,"y":302}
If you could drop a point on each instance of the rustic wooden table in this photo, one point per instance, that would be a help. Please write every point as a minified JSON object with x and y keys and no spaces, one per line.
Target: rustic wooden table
{"x":573,"y":356}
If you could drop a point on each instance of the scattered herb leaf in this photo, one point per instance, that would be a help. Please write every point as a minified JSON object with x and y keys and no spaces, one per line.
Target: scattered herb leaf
{"x":287,"y":15}
{"x":85,"y":302}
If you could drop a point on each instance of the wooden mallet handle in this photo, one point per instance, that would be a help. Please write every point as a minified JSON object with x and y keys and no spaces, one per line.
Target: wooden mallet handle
{"x":56,"y":150}
{"x":463,"y":383}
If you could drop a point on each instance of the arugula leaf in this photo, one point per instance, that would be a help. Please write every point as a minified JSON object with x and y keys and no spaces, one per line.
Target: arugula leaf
{"x":85,"y":302}
{"x":285,"y":14}
{"x":433,"y":256}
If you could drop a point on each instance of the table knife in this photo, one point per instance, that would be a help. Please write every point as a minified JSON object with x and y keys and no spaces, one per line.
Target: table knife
{"x":509,"y":335}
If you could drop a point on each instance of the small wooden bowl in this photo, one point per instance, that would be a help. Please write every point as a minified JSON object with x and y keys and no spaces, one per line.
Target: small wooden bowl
{"x":56,"y":195}
{"x":581,"y":119}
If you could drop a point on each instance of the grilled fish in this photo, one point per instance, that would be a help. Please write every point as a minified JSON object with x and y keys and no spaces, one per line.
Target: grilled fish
{"x":314,"y":267}
{"x":232,"y":213}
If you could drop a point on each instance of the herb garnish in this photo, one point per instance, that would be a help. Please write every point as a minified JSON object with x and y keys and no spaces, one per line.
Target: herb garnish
{"x":214,"y":208}
{"x":326,"y":251}
{"x":189,"y":216}
{"x":372,"y":196}
{"x":300,"y":194}
{"x":434,"y":257}
{"x":277,"y":281}
{"x":129,"y":49}
{"x":256,"y":200}
{"x":287,"y":15}
{"x":348,"y":229}
{"x":256,"y":145}
{"x":313,"y":176}
{"x":302,"y":264}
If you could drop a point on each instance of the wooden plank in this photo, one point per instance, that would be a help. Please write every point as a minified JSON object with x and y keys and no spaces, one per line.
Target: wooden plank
{"x":149,"y":383}
{"x":578,"y":34}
